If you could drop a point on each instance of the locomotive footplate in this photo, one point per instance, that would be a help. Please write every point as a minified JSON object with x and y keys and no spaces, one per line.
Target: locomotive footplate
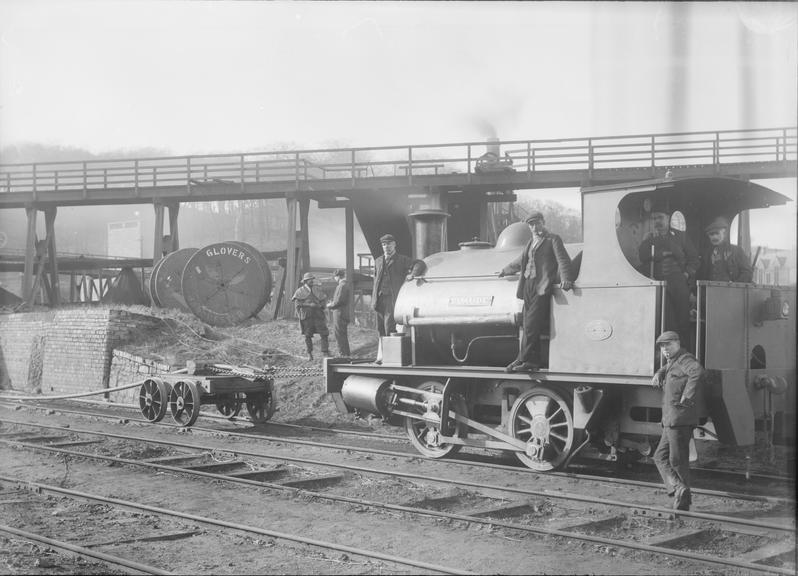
{"x":184,"y":394}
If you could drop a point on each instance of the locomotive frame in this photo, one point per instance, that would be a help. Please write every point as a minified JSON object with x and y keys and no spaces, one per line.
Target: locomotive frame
{"x":596,"y":392}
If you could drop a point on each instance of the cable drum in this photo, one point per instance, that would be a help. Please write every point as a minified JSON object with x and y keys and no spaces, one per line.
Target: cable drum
{"x":151,"y":283}
{"x":225,"y":283}
{"x":167,"y":286}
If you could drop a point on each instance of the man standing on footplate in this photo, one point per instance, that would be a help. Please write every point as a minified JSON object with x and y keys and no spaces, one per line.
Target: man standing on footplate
{"x":679,"y":381}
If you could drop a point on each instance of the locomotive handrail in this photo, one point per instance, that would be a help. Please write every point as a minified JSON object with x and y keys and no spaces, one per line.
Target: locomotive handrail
{"x":362,"y":163}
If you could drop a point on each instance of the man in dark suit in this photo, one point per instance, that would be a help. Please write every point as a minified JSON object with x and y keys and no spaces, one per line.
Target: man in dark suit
{"x":544,"y":259}
{"x":391,"y":270}
{"x":341,"y":313}
{"x":722,"y":261}
{"x":668,"y":254}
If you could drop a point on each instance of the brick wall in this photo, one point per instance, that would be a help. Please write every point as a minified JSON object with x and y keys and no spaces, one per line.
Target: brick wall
{"x":21,"y":343}
{"x":66,"y":351}
{"x":128,"y":368}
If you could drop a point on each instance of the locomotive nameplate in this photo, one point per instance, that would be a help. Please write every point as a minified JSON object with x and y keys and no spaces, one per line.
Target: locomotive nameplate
{"x":470,"y":300}
{"x":598,"y":330}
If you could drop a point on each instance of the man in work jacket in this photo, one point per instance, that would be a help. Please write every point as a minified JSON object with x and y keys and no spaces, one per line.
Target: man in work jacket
{"x":544,"y":259}
{"x":341,"y":314}
{"x":391,"y":270}
{"x":674,"y":259}
{"x":679,"y":381}
{"x":722,"y":261}
{"x":310,"y":302}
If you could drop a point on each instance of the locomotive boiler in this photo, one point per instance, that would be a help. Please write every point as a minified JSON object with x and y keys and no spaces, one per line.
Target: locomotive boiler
{"x":442,"y":374}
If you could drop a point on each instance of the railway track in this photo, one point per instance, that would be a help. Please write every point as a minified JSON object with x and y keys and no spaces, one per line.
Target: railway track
{"x":758,"y":485}
{"x":587,"y":530}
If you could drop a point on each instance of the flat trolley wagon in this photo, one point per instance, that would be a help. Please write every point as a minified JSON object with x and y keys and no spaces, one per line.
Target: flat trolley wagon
{"x":227,"y":387}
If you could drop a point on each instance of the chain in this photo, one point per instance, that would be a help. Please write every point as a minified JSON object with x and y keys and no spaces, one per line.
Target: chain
{"x":268,"y":372}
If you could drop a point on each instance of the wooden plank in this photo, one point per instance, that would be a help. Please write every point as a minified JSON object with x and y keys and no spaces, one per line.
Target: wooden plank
{"x":177,"y":458}
{"x":770,"y":550}
{"x":504,"y":511}
{"x":150,"y":538}
{"x":315,"y":481}
{"x":676,"y":537}
{"x":217,"y":467}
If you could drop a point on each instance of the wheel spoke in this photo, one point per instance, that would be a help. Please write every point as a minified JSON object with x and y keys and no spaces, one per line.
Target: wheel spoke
{"x":562,"y":439}
{"x":558,"y":425}
{"x":558,"y":411}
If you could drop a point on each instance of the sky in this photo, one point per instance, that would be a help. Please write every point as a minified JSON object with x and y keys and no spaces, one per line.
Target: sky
{"x":202,"y":77}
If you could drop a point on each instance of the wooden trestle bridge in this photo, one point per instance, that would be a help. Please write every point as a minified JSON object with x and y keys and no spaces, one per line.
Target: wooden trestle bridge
{"x":429,"y":196}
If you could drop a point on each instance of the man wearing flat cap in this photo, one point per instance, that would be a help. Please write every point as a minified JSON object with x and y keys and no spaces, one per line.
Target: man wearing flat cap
{"x":391,"y":270}
{"x":341,"y":313}
{"x":679,"y":381}
{"x":310,"y":302}
{"x":722,"y":261}
{"x":544,"y":259}
{"x":668,"y":254}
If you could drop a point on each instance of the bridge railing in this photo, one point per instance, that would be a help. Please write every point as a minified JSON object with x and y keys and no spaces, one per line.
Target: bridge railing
{"x":406,"y":162}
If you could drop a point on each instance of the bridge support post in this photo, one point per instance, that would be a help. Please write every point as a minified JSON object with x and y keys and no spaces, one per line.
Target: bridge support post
{"x":174,"y":209}
{"x":55,"y":287}
{"x":157,"y":245}
{"x":304,"y":208}
{"x":349,"y":217}
{"x":30,"y":251}
{"x":290,"y":259}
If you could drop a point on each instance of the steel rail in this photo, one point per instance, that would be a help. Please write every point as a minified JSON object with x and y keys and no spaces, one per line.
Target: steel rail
{"x":84,"y":551}
{"x":236,"y":526}
{"x":411,"y":476}
{"x":434,"y":513}
{"x":517,"y":469}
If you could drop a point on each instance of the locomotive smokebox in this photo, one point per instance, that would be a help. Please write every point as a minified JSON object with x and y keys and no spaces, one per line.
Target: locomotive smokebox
{"x":369,"y":394}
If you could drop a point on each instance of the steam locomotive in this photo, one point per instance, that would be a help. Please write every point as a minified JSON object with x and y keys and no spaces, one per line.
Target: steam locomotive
{"x":442,"y":375}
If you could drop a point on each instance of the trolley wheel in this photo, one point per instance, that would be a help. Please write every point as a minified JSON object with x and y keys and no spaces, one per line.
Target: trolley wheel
{"x":229,"y":405}
{"x":184,"y":402}
{"x":425,"y":436}
{"x":260,"y":405}
{"x":543,"y":419}
{"x":153,"y":399}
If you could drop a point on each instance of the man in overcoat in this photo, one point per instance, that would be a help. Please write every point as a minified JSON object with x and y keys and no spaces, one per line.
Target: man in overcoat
{"x":543,"y":261}
{"x":668,"y":254}
{"x":310,"y":302}
{"x":679,"y":379}
{"x":341,"y":314}
{"x":723,"y":261}
{"x":391,"y":270}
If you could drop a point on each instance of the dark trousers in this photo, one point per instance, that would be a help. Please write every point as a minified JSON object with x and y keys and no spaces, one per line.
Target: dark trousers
{"x":536,"y":321}
{"x":677,"y":313}
{"x":672,"y":456}
{"x":315,"y":323}
{"x":340,"y":324}
{"x":384,"y":309}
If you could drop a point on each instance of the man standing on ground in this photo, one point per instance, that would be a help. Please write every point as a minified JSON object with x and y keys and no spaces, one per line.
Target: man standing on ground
{"x":341,"y":313}
{"x":679,"y":381}
{"x":391,"y":270}
{"x":543,"y":259}
{"x":310,"y":302}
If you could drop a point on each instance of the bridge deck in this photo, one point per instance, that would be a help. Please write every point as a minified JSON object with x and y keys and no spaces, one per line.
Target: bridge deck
{"x":325,"y":174}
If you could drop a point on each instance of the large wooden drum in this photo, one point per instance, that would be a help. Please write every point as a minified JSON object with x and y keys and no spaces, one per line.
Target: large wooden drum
{"x":168,"y":277}
{"x":225,"y":283}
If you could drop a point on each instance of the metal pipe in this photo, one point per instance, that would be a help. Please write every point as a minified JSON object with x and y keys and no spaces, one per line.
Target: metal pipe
{"x":509,"y":318}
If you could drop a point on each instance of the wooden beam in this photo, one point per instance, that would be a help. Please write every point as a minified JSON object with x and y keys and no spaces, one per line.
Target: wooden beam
{"x":304,"y":208}
{"x":174,"y":209}
{"x":55,"y":287}
{"x":349,"y":217}
{"x":157,"y":246}
{"x":291,"y":260}
{"x":30,"y":252}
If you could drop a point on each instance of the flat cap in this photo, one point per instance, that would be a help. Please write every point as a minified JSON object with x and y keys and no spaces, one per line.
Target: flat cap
{"x":339,"y":272}
{"x":387,"y":238}
{"x":717,"y":224}
{"x":534,"y":216}
{"x":668,"y":336}
{"x":660,"y":205}
{"x":307,"y":276}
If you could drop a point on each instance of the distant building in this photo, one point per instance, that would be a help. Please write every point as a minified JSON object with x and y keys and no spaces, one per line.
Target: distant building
{"x":775,"y":267}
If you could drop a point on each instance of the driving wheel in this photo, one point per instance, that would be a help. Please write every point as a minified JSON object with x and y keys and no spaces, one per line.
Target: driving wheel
{"x":543,"y":420}
{"x":425,"y":436}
